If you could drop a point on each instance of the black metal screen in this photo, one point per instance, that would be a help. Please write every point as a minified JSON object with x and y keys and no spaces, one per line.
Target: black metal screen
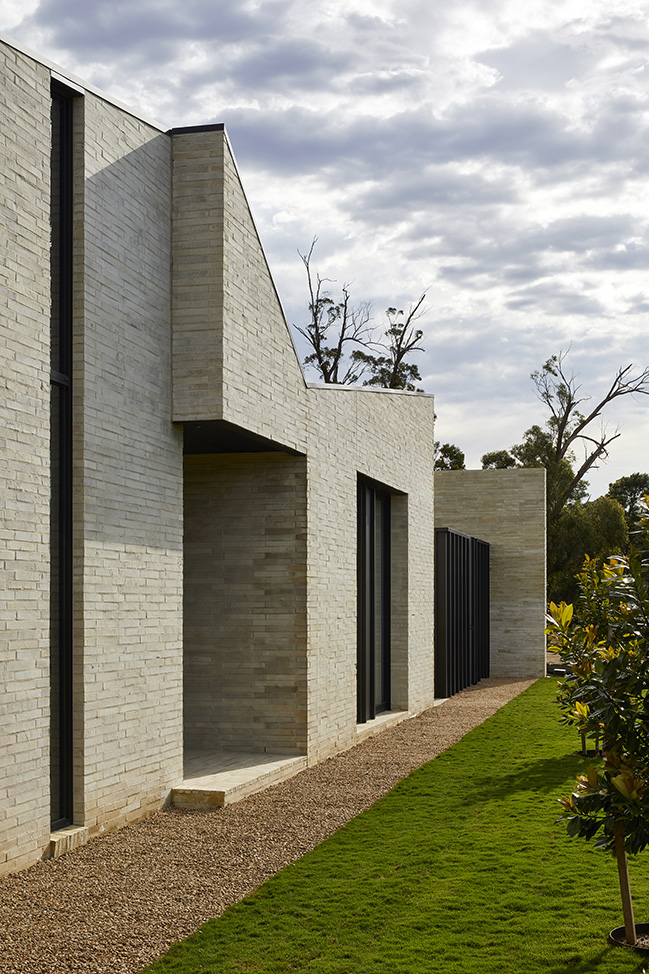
{"x":461,"y":611}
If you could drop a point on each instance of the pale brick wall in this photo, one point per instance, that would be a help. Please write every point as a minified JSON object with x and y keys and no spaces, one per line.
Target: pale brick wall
{"x":263,"y":385}
{"x":233,"y":355}
{"x":507,"y":509}
{"x":197,"y":294}
{"x":388,"y":438}
{"x":245,"y":601}
{"x":128,"y":475}
{"x":285,"y":526}
{"x":344,"y":432}
{"x":24,"y":448}
{"x":241,"y":335}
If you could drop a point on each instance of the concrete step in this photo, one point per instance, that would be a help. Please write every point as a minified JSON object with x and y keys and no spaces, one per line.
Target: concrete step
{"x":220,"y":779}
{"x":64,"y":840}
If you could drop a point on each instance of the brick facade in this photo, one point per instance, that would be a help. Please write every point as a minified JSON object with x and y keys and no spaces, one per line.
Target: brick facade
{"x":245,"y":602}
{"x":24,"y":471}
{"x":506,"y":508}
{"x":214,"y":491}
{"x":128,"y":473}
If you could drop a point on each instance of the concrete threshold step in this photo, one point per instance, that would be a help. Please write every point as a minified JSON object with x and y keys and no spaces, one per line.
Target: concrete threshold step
{"x":388,"y":719}
{"x":222,"y":779}
{"x":64,"y":840}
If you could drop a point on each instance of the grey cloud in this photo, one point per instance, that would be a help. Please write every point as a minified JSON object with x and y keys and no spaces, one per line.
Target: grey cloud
{"x":367,"y":147}
{"x":253,"y":50}
{"x":350,"y":147}
{"x":638,"y":304}
{"x":342,"y":147}
{"x":530,"y":269}
{"x":252,"y":55}
{"x":495,"y":251}
{"x":365,"y":23}
{"x":536,"y":61}
{"x":555,"y":299}
{"x":535,"y":136}
{"x":628,"y":257}
{"x":286,"y":63}
{"x":478,"y":276}
{"x":626,"y":33}
{"x":485,"y":252}
{"x":579,"y":234}
{"x":287,"y":141}
{"x":384,"y":82}
{"x":486,"y":356}
{"x":151,"y":29}
{"x":491,"y":250}
{"x":440,"y":187}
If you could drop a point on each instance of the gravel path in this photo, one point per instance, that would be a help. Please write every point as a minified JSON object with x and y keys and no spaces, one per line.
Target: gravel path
{"x":123,"y":899}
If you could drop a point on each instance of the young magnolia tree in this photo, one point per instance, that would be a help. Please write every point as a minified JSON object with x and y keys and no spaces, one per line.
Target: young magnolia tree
{"x":605,"y":641}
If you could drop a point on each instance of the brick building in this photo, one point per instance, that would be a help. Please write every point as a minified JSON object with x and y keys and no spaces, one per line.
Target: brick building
{"x":211,"y":572}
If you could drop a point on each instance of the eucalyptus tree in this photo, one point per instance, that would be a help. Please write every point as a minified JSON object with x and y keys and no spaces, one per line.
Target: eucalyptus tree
{"x":343,"y":342}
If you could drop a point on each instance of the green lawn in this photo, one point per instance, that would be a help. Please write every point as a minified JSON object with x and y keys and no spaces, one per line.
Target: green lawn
{"x":460,"y":869}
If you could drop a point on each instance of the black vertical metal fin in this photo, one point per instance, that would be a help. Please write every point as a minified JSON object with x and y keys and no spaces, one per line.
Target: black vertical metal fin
{"x":461,"y":611}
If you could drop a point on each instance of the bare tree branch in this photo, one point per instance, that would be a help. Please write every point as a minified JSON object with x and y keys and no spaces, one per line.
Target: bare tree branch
{"x":391,"y":370}
{"x":341,"y":337}
{"x":560,"y":393}
{"x":600,"y":452}
{"x":333,"y":327}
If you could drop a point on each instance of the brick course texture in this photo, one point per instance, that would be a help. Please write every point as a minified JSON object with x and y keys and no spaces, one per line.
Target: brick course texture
{"x":506,"y":508}
{"x":24,"y":471}
{"x":245,"y":602}
{"x":256,"y":383}
{"x":128,"y":474}
{"x":224,"y":583}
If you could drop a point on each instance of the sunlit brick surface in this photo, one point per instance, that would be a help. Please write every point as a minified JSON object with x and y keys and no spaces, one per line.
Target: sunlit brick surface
{"x":507,"y":509}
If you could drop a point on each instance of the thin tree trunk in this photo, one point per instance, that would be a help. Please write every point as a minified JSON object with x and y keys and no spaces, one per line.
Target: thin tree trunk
{"x":584,"y":746}
{"x":625,"y":888}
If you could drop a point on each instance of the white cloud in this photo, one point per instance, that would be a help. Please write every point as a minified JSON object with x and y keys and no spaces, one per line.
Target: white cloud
{"x":492,"y":150}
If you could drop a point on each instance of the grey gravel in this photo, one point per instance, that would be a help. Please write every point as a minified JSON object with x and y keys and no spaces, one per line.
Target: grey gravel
{"x":119,"y":902}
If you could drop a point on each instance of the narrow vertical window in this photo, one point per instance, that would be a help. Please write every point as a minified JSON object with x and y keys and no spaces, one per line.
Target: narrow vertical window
{"x":61,"y":751}
{"x":373,"y":672}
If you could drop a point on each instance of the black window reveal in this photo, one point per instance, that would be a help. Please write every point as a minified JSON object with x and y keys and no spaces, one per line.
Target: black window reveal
{"x":373,"y":691}
{"x":61,"y":738}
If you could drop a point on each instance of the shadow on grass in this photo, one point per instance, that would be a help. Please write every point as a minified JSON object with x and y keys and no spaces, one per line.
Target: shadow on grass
{"x":577,"y":964}
{"x":546,"y":775}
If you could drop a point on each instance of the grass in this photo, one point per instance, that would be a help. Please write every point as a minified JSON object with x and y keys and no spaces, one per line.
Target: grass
{"x":459,"y":869}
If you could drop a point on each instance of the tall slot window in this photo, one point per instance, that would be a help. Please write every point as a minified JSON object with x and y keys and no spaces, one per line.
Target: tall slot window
{"x":61,"y":751}
{"x":373,"y":672}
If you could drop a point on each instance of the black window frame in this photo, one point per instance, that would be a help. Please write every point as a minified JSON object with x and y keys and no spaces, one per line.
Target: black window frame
{"x":373,"y":570}
{"x":61,"y":535}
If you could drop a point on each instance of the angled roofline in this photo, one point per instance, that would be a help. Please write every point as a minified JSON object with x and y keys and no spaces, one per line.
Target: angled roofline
{"x":73,"y":81}
{"x":190,"y":129}
{"x":220,"y":127}
{"x":358,"y":388}
{"x":67,"y":78}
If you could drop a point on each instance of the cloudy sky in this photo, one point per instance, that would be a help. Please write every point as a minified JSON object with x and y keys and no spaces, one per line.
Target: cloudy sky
{"x":492,"y":152}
